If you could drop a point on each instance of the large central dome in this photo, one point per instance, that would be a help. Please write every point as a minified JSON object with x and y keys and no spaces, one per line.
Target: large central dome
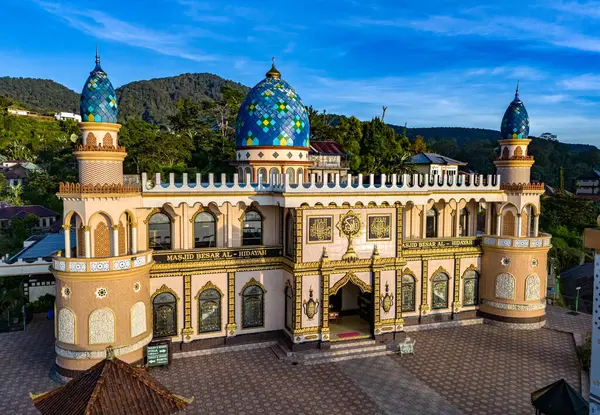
{"x":272,"y":114}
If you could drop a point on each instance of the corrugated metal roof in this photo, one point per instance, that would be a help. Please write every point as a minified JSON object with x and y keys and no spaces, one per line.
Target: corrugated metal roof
{"x":326,"y":147}
{"x":432,"y":158}
{"x":45,"y":247}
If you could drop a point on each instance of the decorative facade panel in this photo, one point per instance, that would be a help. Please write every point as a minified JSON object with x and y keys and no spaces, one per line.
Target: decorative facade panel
{"x":138,"y":319}
{"x":505,"y":286}
{"x":66,"y":326}
{"x":101,"y":240}
{"x":320,"y":229}
{"x":379,"y":227}
{"x":532,"y":288}
{"x":101,"y":326}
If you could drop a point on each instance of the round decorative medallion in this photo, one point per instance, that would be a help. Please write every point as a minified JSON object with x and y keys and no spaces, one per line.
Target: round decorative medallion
{"x":66,"y":292}
{"x":534,"y":262}
{"x":137,"y":287}
{"x":505,"y":261}
{"x":101,"y":292}
{"x":150,"y":184}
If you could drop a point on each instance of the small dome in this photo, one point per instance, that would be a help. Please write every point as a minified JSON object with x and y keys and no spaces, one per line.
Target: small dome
{"x":272,"y":114}
{"x":98,"y":99}
{"x":515,"y":123}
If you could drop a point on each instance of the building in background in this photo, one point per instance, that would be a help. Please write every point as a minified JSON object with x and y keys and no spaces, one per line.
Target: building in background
{"x":67,"y":116}
{"x":436,"y":165}
{"x":46,"y":217}
{"x":208,"y":261}
{"x":328,"y":160}
{"x":588,"y":185}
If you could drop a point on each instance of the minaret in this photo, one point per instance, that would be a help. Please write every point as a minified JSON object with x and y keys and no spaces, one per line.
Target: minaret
{"x":514,"y":162}
{"x":100,"y":158}
{"x":513,"y":266}
{"x":102,"y":286}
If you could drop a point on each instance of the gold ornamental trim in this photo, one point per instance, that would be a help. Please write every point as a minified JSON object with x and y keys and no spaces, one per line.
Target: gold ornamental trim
{"x":99,"y":126}
{"x":208,"y":286}
{"x":350,"y":277}
{"x":250,"y":283}
{"x":164,"y":289}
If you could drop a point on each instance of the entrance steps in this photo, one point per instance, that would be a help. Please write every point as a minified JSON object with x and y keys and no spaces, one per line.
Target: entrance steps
{"x":340,"y":351}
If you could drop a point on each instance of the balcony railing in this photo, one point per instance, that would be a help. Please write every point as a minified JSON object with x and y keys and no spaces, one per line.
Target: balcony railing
{"x":120,"y":263}
{"x":543,"y":240}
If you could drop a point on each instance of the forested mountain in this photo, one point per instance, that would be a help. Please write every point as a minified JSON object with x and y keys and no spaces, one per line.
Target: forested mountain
{"x":41,"y":95}
{"x":155,"y":100}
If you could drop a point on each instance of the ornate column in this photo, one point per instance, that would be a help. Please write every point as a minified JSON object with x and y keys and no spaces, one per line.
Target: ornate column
{"x":424,"y":281}
{"x":298,"y":235}
{"x":298,"y":309}
{"x":498,"y":224}
{"x":399,"y":319}
{"x":399,"y":227}
{"x":67,"y":232}
{"x":187,"y":330}
{"x":456,"y":222}
{"x":134,"y":246}
{"x":536,"y":225}
{"x":488,"y":218}
{"x":325,"y":306}
{"x":423,"y":222}
{"x":231,"y":326}
{"x":115,"y":240}
{"x":377,"y":300}
{"x":518,"y":225}
{"x":456,"y":305}
{"x":88,"y":241}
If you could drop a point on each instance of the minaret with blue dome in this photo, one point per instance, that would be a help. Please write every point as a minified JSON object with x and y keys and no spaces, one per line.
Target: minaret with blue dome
{"x":514,"y":162}
{"x":272,"y":131}
{"x":98,"y":101}
{"x":100,"y":157}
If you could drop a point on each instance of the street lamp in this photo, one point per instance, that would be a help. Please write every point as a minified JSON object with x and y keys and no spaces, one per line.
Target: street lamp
{"x":577,"y":300}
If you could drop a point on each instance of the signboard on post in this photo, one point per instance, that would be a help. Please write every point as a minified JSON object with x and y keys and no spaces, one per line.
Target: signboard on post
{"x":158,"y":353}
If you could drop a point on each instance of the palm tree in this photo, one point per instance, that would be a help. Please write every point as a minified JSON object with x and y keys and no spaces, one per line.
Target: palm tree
{"x":14,"y":194}
{"x":403,"y":164}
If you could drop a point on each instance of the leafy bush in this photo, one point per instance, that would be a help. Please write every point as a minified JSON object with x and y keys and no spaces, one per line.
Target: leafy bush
{"x":42,"y":304}
{"x":585,"y":352}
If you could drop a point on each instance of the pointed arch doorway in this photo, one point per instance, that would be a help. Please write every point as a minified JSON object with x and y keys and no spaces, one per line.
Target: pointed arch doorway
{"x":350,"y":309}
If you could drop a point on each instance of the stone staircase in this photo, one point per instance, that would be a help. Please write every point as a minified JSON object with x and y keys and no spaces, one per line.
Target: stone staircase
{"x":339,"y":351}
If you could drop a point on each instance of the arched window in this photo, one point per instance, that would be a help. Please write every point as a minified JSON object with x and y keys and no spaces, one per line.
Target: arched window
{"x":439,"y":291}
{"x":408,"y":293}
{"x":463,"y":225}
{"x":505,"y":153}
{"x":248,"y":172}
{"x":241,"y":175}
{"x":518,"y":151}
{"x":165,"y":315}
{"x":252,"y":228}
{"x":290,"y":173}
{"x":253,"y":307}
{"x":66,"y":326}
{"x":432,"y":223}
{"x":273,"y":172}
{"x":209,"y":311}
{"x":101,"y":240}
{"x":289,"y":306}
{"x":205,"y":230}
{"x":508,"y":224}
{"x":470,"y":287}
{"x":159,"y":232}
{"x":262,"y":175}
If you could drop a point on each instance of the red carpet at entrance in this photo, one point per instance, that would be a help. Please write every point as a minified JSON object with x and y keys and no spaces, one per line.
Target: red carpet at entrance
{"x":351,"y":334}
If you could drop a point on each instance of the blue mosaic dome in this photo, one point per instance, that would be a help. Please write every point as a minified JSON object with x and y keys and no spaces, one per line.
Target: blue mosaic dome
{"x":98,"y":99}
{"x":515,"y":123}
{"x":272,"y":114}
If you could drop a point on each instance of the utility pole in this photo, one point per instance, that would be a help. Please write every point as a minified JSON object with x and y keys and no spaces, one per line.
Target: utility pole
{"x":383,"y":115}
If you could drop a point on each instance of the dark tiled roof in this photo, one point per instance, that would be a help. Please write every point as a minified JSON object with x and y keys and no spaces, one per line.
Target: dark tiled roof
{"x":432,"y":158}
{"x":110,"y":387}
{"x":326,"y":147}
{"x":591,"y":175}
{"x":19,"y":212}
{"x":15,"y":172}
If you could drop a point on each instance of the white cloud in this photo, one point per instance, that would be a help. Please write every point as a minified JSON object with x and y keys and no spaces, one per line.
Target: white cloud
{"x":586,"y":82}
{"x":103,"y":26}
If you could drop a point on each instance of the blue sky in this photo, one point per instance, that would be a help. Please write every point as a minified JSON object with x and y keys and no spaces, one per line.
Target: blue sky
{"x":432,"y":63}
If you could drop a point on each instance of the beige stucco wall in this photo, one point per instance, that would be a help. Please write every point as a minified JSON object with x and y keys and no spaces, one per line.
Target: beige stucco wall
{"x":274,"y":299}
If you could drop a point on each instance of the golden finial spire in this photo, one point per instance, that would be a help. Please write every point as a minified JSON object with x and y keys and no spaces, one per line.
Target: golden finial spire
{"x":273,"y":72}
{"x":97,"y":56}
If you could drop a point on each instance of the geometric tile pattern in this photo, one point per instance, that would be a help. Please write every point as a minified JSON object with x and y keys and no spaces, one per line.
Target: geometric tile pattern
{"x":98,"y":101}
{"x":272,"y":115}
{"x":515,"y":123}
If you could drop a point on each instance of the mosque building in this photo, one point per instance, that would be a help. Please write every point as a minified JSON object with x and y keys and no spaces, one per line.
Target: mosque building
{"x":272,"y":253}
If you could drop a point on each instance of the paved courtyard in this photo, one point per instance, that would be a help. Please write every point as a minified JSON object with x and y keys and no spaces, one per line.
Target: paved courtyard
{"x":465,"y":370}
